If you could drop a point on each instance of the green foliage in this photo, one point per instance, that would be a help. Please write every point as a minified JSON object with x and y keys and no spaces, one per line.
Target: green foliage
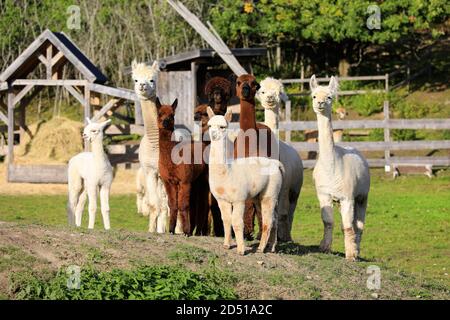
{"x":146,"y":282}
{"x":365,"y":104}
{"x":191,"y":254}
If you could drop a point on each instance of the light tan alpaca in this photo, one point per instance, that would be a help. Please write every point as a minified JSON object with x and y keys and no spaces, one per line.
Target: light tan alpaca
{"x":340,"y":174}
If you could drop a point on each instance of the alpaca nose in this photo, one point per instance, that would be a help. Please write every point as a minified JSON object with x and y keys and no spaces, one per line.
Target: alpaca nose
{"x":166,"y":123}
{"x":246,"y":90}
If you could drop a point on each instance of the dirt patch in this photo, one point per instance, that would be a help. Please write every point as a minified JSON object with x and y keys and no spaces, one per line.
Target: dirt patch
{"x":295,"y":272}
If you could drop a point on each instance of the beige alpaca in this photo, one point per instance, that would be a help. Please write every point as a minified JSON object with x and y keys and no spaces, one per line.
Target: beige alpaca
{"x":145,"y":78}
{"x":233,"y":181}
{"x":270,"y":94}
{"x":340,"y":174}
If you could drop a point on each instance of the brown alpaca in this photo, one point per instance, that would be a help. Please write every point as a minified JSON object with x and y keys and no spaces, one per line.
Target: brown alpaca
{"x":184,"y":178}
{"x":219,"y":91}
{"x":246,"y":87}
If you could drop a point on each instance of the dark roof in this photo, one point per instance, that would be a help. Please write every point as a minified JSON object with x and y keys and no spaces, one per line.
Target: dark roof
{"x":28,"y":59}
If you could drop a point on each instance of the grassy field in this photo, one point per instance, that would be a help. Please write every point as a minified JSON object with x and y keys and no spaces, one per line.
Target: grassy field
{"x":407,"y":226}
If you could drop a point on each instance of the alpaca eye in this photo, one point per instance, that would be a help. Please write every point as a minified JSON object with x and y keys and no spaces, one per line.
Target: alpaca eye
{"x":314,"y":97}
{"x":135,"y":80}
{"x":151,"y":81}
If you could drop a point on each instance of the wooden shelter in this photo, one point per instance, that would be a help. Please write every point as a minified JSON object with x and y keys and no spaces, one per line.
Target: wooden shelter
{"x":183,"y":77}
{"x":19,"y":85}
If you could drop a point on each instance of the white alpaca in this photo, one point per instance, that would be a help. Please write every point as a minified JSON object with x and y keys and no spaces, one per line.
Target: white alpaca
{"x":156,"y":203}
{"x":87,"y":171}
{"x":270,"y":94}
{"x":232,"y":182}
{"x":341,"y":174}
{"x":141,"y":199}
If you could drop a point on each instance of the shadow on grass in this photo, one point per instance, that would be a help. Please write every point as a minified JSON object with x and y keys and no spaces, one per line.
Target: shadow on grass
{"x":296,"y":249}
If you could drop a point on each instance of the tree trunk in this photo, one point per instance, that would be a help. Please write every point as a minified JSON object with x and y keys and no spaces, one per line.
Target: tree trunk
{"x":344,"y":67}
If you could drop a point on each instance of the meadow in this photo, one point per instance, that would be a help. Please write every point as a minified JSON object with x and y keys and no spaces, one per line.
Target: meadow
{"x":407,"y":226}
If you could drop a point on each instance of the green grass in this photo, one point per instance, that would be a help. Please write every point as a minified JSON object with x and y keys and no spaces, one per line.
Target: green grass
{"x":407,"y":225}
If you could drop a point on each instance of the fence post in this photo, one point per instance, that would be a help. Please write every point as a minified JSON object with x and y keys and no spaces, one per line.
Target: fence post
{"x":288,"y":119}
{"x":387,"y":137}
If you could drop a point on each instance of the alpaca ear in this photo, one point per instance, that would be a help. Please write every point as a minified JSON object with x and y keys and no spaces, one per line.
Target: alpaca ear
{"x":88,"y":120}
{"x":175,"y":104}
{"x":210,"y":112}
{"x":155,"y":65}
{"x":257,"y":86}
{"x":333,"y":85}
{"x":105,"y":123}
{"x":229,"y":115}
{"x":158,"y":103}
{"x":313,"y":82}
{"x":134,"y":64}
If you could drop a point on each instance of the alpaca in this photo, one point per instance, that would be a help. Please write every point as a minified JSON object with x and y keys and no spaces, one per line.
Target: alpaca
{"x":145,"y":78}
{"x":234,"y":181}
{"x":253,"y":139}
{"x":219,"y":91}
{"x":141,"y":200}
{"x":183,"y":179}
{"x":340,"y":174}
{"x":270,"y":94}
{"x":87,"y":171}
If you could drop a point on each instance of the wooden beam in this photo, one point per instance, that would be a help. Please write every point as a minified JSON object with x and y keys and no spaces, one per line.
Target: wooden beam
{"x":43,"y":59}
{"x":57,"y":58}
{"x":48,"y":82}
{"x":75,"y":94}
{"x":49,"y":61}
{"x":87,"y":111}
{"x":114,"y":92}
{"x":387,"y":132}
{"x":3,"y":118}
{"x":10,"y":126}
{"x":24,"y":102}
{"x":22,"y":93}
{"x":111,"y":103}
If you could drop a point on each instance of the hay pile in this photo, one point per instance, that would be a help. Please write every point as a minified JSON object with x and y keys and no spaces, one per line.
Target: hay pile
{"x":54,"y":142}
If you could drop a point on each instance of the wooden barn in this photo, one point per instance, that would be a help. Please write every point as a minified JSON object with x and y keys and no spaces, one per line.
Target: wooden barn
{"x":19,"y":85}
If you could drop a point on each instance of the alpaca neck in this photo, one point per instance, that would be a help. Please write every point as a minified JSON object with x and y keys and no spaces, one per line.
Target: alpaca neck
{"x":220,"y":152}
{"x":165,"y":143}
{"x":271,"y":117}
{"x":326,"y":143}
{"x":247,"y":118}
{"x":150,"y":117}
{"x":98,"y":151}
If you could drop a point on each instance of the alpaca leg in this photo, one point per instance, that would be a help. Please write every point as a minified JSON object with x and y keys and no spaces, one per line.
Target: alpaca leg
{"x":283,"y":216}
{"x":249,"y":219}
{"x":179,"y":226}
{"x":184,"y":196}
{"x":104,"y":205}
{"x":75,"y":187}
{"x":152,"y":198}
{"x":360,"y":218}
{"x":216,"y":217}
{"x":348,"y":215}
{"x":163,"y":212}
{"x":237,"y":221}
{"x":326,"y":208}
{"x":293,"y":198}
{"x":226,"y":210}
{"x":80,"y":207}
{"x":92,"y":195}
{"x":267,"y":212}
{"x":172,"y":191}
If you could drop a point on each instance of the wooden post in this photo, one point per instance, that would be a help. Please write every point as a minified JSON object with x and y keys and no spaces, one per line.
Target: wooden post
{"x":387,"y":136}
{"x":194,"y":92}
{"x":49,"y":61}
{"x":386,"y":83}
{"x":10,"y":126}
{"x":87,"y":110}
{"x":288,"y":119}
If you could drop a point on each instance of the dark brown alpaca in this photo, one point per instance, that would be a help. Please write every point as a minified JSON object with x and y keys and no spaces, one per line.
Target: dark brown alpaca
{"x":184,"y":178}
{"x":219,"y":91}
{"x":246,"y":87}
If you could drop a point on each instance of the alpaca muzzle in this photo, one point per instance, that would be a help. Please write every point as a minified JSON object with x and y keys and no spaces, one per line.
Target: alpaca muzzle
{"x":246,"y":90}
{"x":167,"y":123}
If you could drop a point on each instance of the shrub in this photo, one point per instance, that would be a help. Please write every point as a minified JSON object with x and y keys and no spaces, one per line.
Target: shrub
{"x":146,"y":282}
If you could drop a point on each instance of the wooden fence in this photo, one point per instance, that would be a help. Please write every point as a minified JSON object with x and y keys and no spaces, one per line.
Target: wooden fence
{"x":386,"y":124}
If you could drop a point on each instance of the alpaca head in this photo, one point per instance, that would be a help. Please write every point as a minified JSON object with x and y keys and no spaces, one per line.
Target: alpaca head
{"x":218,"y":91}
{"x":145,"y":78}
{"x":218,"y":124}
{"x":166,"y":115}
{"x":94,"y":131}
{"x":271,"y":93}
{"x":341,"y":113}
{"x":322,"y":96}
{"x":246,"y":87}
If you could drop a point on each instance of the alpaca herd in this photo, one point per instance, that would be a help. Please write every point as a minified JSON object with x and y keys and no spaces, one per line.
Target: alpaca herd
{"x":220,"y":182}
